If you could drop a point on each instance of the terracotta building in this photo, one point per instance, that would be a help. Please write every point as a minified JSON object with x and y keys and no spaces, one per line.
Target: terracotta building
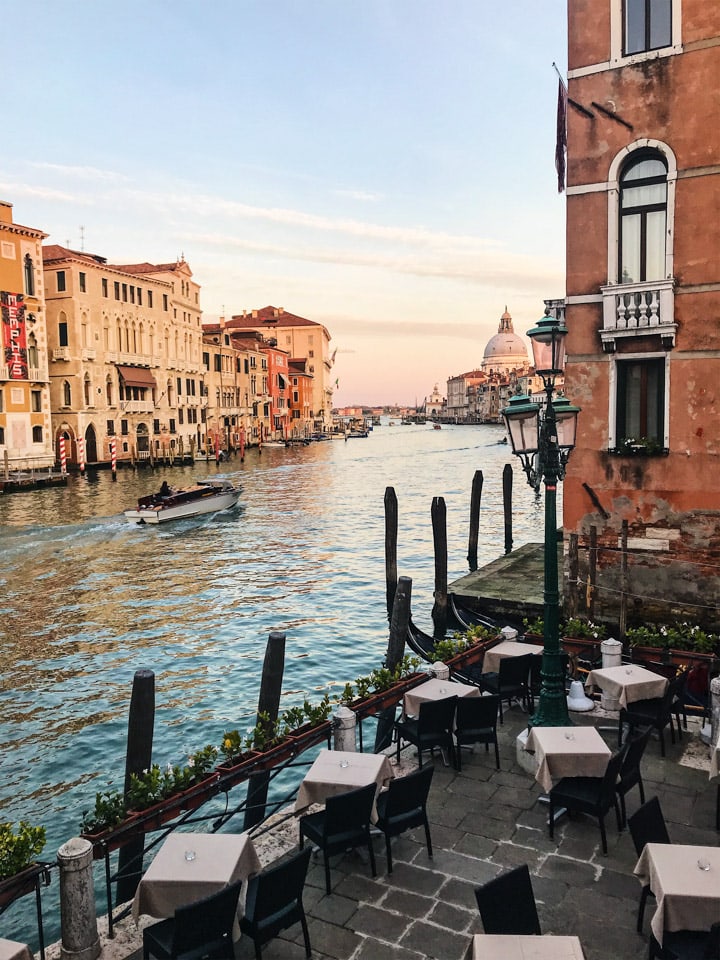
{"x":25,"y":427}
{"x":643,"y":303}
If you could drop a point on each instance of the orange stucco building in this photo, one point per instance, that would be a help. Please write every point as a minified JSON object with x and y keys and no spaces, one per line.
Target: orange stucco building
{"x":643,"y":302}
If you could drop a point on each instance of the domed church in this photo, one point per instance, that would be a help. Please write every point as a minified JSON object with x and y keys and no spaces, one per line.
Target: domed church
{"x":506,"y":351}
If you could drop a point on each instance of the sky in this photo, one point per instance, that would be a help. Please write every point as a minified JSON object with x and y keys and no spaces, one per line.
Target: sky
{"x":383,"y":167}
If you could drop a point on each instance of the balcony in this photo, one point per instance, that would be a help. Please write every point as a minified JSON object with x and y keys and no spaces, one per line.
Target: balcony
{"x":61,"y":353}
{"x":137,"y":406}
{"x":88,"y":354}
{"x":638,"y":310}
{"x":134,"y":359}
{"x":36,"y":375}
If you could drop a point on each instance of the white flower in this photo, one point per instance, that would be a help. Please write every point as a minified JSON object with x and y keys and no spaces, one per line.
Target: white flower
{"x":191,"y":762}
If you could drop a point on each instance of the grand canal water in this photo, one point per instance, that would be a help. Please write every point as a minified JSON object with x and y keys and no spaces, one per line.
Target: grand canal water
{"x":89,"y":599}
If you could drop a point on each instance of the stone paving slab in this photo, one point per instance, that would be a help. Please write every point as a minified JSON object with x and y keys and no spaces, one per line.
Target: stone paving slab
{"x":482,"y":822}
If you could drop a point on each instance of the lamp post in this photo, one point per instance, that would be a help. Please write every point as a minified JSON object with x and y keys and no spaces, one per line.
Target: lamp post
{"x":543,"y":439}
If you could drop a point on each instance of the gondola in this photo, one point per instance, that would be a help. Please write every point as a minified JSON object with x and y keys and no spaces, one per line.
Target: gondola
{"x":465,"y":618}
{"x":422,"y":645}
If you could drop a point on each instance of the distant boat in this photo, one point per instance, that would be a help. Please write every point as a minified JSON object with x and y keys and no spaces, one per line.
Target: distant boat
{"x":437,"y":426}
{"x":205,"y":496}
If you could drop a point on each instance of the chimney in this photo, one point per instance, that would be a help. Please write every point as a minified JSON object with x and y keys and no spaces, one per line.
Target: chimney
{"x":254,"y":314}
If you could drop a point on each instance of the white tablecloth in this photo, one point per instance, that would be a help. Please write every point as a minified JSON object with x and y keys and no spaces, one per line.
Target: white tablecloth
{"x":688,"y":898}
{"x":507,"y":648}
{"x":12,"y":950}
{"x":567,"y":752}
{"x":494,"y":947}
{"x":172,"y":881}
{"x":328,"y":777}
{"x":627,"y":683}
{"x":435,"y":689}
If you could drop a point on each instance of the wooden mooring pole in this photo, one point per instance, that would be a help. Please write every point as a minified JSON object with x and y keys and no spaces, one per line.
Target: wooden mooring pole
{"x":507,"y":482}
{"x":391,"y":532}
{"x":141,"y":723}
{"x":475,"y":498}
{"x":268,"y":703}
{"x":399,"y":622}
{"x":439,"y":525}
{"x":623,"y":582}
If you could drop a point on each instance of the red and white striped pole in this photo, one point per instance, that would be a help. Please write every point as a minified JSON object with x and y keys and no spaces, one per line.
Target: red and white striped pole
{"x":242,"y":444}
{"x":113,"y":458}
{"x":63,"y":455}
{"x":217,"y":447}
{"x":81,"y":455}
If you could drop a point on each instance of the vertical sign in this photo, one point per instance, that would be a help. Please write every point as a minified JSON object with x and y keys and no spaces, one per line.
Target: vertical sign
{"x":12,"y":306}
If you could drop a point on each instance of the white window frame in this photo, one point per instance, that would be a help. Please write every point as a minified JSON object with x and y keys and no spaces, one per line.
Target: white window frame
{"x":613,"y":382}
{"x":617,"y":57}
{"x":613,"y":196}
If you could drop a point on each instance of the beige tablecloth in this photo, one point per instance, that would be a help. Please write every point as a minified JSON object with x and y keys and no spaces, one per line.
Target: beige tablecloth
{"x":493,"y":947}
{"x":507,"y":648}
{"x":328,"y":778}
{"x":435,"y":689}
{"x":627,"y":683}
{"x":12,"y":950}
{"x":567,"y":752}
{"x":172,"y":881}
{"x":688,"y":898}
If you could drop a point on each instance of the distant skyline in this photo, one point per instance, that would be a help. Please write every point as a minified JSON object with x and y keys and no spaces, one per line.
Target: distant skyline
{"x":383,"y":167}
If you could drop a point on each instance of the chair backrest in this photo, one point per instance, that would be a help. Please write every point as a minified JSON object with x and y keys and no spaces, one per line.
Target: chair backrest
{"x":515,"y":670}
{"x":507,"y":904}
{"x":477,"y":712}
{"x":436,"y":715}
{"x":647,"y":825}
{"x":408,"y":793}
{"x":634,"y":750}
{"x":607,"y":789}
{"x":712,"y":944}
{"x":277,"y":887}
{"x":206,"y":921}
{"x":349,"y":811}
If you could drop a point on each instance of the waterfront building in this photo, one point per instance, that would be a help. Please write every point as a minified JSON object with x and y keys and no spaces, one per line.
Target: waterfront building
{"x":124,"y":356}
{"x":25,"y":422}
{"x":435,"y":404}
{"x":642,"y":302}
{"x":300,"y":397}
{"x":506,"y":351}
{"x":459,"y":389}
{"x":300,"y":339}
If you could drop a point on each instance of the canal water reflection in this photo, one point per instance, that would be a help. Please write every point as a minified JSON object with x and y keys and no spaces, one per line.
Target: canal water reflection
{"x":88,"y":599}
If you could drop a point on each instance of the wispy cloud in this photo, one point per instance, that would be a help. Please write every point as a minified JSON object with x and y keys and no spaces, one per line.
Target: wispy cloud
{"x":359,"y":195}
{"x":86,"y":173}
{"x":43,"y":193}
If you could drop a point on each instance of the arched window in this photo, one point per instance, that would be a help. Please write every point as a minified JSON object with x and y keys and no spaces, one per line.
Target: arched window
{"x":67,"y":394}
{"x":643,"y":218}
{"x":29,"y":269}
{"x":109,"y":392}
{"x":37,"y":434}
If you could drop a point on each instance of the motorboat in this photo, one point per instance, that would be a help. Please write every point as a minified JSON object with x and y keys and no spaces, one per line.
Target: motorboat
{"x":171,"y":503}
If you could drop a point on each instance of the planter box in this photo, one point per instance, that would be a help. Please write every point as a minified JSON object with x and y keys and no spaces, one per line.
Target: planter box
{"x":376,"y":702}
{"x":310,"y":734}
{"x":231,"y":773}
{"x":158,"y":814}
{"x":201,"y":792}
{"x":108,"y":840}
{"x":21,"y":884}
{"x":670,"y":656}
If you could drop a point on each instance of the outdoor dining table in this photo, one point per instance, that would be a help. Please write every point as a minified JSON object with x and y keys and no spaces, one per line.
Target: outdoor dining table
{"x":435,"y":689}
{"x":567,"y":752}
{"x":12,"y":950}
{"x":627,"y":683}
{"x":497,"y":947}
{"x":686,"y":882}
{"x":190,"y":866}
{"x":507,"y":648}
{"x":336,"y":771}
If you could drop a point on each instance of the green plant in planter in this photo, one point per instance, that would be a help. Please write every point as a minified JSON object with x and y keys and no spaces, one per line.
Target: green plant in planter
{"x":232,"y":745}
{"x":381,"y":679}
{"x":293,"y":718}
{"x":319,"y":712}
{"x":19,"y":849}
{"x":477,"y":634}
{"x":444,"y":650}
{"x":264,"y":734}
{"x":150,"y":787}
{"x":583,"y":629}
{"x":536,"y":625}
{"x":363,"y":686}
{"x":407,"y":667}
{"x":110,"y":809}
{"x":202,"y":761}
{"x":348,"y":693}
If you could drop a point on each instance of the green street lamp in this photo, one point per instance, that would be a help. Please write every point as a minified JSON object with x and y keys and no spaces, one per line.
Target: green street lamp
{"x":542,"y":436}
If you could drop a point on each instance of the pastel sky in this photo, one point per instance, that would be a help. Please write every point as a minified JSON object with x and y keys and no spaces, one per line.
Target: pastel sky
{"x":384,"y":167}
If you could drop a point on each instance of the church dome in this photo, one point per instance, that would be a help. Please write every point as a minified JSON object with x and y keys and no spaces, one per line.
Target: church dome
{"x":506,"y":350}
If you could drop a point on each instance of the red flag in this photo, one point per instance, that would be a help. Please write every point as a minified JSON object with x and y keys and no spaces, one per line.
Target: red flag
{"x":561,"y":141}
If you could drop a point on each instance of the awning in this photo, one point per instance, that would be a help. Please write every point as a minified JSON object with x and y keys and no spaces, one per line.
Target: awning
{"x":136,"y":377}
{"x":282,"y":382}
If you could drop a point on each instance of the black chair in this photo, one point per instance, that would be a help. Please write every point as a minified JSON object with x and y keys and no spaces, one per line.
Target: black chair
{"x":404,"y":805}
{"x":507,"y":904}
{"x":630,"y":773}
{"x":656,"y":712}
{"x":274,"y":901}
{"x":511,"y":682}
{"x":200,"y":929}
{"x":687,"y":945}
{"x":591,"y":795}
{"x":433,"y":727}
{"x":476,"y":722}
{"x":647,"y":825}
{"x":343,"y":825}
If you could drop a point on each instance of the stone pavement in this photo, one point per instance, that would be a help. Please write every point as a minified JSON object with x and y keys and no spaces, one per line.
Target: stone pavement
{"x":484,"y":821}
